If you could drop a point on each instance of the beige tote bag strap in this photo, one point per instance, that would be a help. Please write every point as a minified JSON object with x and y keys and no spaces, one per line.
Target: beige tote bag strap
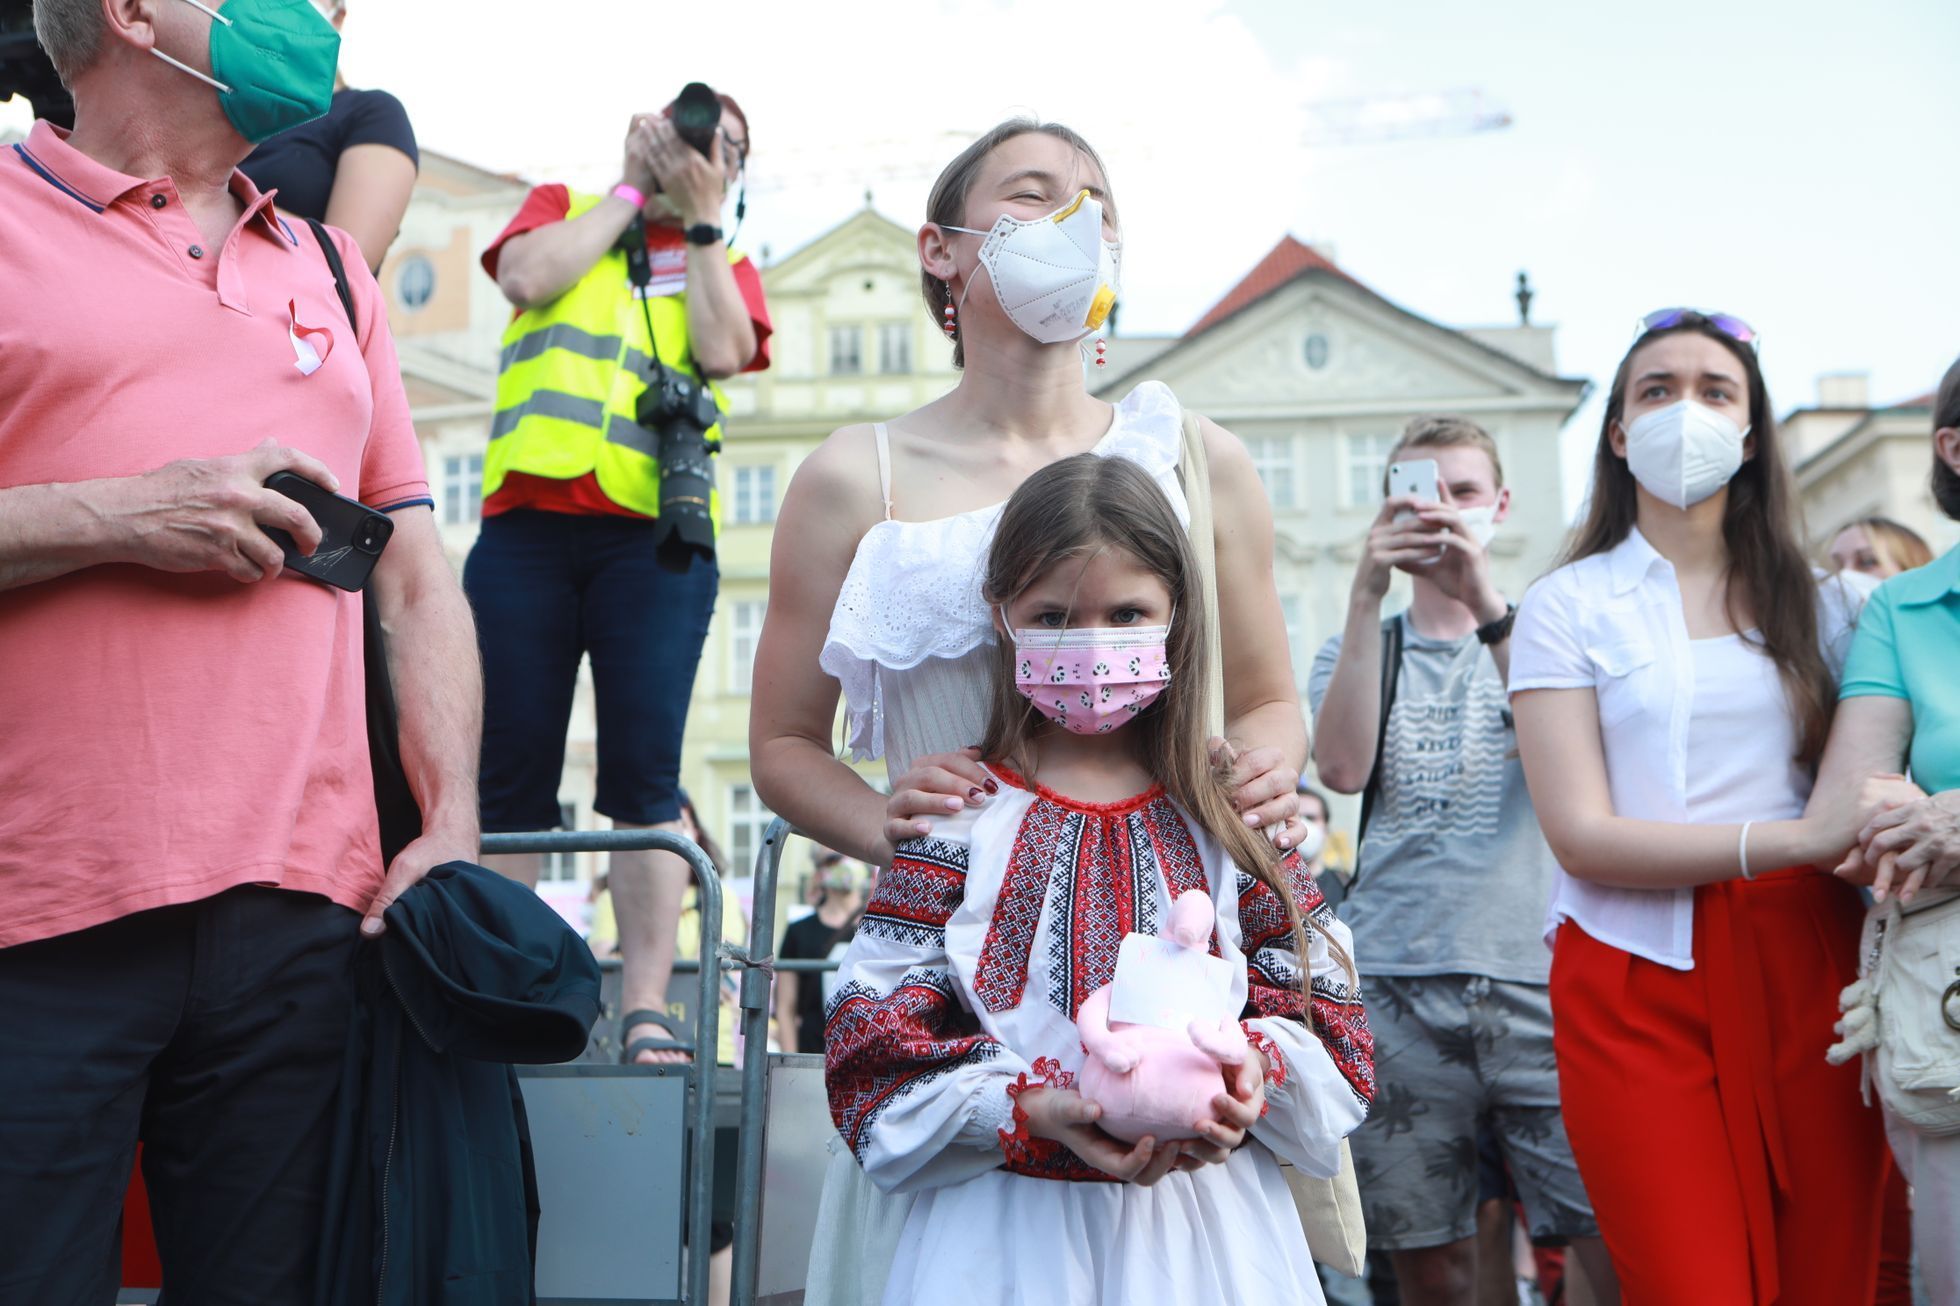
{"x":1195,"y":472}
{"x":1330,"y":1209}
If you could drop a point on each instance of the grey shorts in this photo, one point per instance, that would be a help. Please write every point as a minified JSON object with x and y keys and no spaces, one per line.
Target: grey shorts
{"x":1456,"y":1057}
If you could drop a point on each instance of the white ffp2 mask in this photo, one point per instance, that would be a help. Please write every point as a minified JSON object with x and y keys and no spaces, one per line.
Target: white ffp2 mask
{"x":1056,"y":277}
{"x":1684,"y":452}
{"x":1481,"y":522}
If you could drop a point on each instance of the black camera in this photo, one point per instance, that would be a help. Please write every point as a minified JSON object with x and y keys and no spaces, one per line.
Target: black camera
{"x":697,"y":116}
{"x":677,"y":411}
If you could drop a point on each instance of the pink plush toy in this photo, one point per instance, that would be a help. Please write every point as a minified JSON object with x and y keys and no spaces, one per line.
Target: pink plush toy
{"x":1150,"y":1079}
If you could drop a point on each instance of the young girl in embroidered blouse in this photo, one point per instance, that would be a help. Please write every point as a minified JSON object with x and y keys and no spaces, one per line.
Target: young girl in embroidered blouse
{"x":952,"y":1045}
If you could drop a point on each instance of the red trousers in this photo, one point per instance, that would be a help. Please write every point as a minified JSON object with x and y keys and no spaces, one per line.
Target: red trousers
{"x":1728,"y":1163}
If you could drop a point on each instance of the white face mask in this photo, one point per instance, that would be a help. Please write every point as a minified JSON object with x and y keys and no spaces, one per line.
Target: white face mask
{"x":1313,"y":839}
{"x":1684,"y":452}
{"x":1056,"y":277}
{"x":1481,"y":522}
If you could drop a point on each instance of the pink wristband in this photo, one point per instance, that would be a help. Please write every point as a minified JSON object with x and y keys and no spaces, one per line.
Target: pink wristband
{"x":632,"y":194}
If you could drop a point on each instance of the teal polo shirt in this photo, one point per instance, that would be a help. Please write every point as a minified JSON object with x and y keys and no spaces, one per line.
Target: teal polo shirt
{"x":1908,"y":646}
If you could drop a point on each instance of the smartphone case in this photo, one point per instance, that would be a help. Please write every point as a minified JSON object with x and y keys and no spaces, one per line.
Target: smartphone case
{"x":1404,"y":480}
{"x":352,"y":535}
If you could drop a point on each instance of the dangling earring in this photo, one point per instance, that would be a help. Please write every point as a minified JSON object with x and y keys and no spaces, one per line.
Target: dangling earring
{"x":950,"y":326}
{"x":1101,"y":346}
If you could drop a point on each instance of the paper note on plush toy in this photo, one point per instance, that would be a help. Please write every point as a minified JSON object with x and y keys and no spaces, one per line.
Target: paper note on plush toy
{"x":1161,"y":982}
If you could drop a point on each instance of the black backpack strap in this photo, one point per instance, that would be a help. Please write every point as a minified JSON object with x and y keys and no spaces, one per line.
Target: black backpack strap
{"x":394,"y":800}
{"x":339,"y":271}
{"x":1391,"y":677}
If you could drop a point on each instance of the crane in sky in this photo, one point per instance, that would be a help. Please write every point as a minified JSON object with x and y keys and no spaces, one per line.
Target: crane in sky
{"x":1376,"y":119}
{"x":1354,"y":120}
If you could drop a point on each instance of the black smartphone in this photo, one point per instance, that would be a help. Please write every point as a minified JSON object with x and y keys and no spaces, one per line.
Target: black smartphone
{"x":352,"y":534}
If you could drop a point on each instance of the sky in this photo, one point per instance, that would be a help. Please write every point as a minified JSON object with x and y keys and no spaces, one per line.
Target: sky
{"x":1790,"y":162}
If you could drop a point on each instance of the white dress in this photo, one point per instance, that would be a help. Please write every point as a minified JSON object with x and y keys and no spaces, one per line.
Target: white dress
{"x":961,"y":989}
{"x":909,"y":643}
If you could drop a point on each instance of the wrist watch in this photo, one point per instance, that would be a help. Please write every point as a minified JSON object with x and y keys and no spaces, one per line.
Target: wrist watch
{"x":703,"y":233}
{"x":1496,"y":632}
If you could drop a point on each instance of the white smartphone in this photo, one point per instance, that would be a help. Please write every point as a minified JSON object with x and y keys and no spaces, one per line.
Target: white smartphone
{"x":1416,"y":479}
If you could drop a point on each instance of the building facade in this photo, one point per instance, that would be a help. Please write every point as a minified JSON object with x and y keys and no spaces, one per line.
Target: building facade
{"x":1857,"y":460}
{"x":1318,"y":375}
{"x":1315,"y":371}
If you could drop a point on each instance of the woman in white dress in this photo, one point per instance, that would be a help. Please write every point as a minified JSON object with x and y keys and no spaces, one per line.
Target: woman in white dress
{"x":875,"y":576}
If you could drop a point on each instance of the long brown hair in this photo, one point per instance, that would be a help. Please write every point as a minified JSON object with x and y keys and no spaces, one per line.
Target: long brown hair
{"x":1762,"y":529}
{"x":946,"y":205}
{"x":1078,"y":507}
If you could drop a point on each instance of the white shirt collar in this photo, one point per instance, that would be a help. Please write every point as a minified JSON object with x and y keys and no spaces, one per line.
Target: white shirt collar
{"x":1631,"y":560}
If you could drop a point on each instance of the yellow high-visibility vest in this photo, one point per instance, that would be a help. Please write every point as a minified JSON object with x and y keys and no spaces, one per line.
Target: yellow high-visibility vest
{"x":572,"y":371}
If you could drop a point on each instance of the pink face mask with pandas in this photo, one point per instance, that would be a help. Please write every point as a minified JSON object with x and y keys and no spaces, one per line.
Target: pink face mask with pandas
{"x":1093,"y":679}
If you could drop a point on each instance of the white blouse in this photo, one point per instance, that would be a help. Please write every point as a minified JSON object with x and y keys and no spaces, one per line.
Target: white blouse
{"x":910,"y":635}
{"x":1613,"y":623}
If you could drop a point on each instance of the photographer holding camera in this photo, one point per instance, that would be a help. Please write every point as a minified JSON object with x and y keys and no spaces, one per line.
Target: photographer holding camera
{"x":599,"y":513}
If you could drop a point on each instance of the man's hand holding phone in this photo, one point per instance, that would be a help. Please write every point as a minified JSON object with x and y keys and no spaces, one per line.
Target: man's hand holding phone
{"x":1398,"y":538}
{"x":207,"y":514}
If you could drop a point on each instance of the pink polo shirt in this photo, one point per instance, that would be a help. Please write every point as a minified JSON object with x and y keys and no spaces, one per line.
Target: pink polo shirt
{"x":166,"y":737}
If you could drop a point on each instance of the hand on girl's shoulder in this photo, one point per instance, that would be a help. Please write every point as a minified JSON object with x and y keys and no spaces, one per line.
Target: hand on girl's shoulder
{"x":951,"y":836}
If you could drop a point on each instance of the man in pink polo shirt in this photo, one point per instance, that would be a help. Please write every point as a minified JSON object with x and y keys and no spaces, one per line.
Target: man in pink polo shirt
{"x":188,"y":840}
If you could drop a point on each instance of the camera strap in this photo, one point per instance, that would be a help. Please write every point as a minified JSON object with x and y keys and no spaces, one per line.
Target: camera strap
{"x":639,"y":270}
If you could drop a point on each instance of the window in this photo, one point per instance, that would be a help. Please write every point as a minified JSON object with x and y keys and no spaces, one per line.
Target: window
{"x":744,"y":628}
{"x":748,"y":823}
{"x":1272,"y":457}
{"x":462,"y":488}
{"x":1367,"y":464}
{"x":415,"y":281}
{"x":561,"y":868}
{"x":755,"y":495}
{"x":895,"y":347}
{"x":846,"y":350}
{"x":1316,"y":351}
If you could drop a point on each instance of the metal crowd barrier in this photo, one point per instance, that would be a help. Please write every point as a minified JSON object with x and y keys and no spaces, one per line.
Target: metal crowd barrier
{"x":707,"y":1015}
{"x":755,"y":999}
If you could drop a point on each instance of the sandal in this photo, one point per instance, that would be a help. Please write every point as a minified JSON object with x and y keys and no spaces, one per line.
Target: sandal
{"x":632,"y":1050}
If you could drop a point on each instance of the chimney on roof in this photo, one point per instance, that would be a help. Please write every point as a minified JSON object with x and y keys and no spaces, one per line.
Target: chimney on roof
{"x":1844,"y":390}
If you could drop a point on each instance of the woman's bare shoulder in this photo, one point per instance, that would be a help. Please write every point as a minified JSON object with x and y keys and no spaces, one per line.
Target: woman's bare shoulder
{"x":1223,"y":450}
{"x":841,"y":475}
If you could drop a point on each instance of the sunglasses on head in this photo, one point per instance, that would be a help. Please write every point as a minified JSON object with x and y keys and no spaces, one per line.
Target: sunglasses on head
{"x":1663,"y":319}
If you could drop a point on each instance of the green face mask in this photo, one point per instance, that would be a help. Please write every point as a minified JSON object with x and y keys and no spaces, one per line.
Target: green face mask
{"x":272,"y":63}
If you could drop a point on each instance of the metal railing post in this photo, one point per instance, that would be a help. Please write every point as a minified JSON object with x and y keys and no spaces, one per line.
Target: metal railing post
{"x":707,"y":1017}
{"x":756,"y":985}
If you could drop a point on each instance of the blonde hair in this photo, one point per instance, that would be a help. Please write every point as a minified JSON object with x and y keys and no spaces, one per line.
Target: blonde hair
{"x":1443,"y":431}
{"x":1082,"y":506}
{"x":1896,"y":545}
